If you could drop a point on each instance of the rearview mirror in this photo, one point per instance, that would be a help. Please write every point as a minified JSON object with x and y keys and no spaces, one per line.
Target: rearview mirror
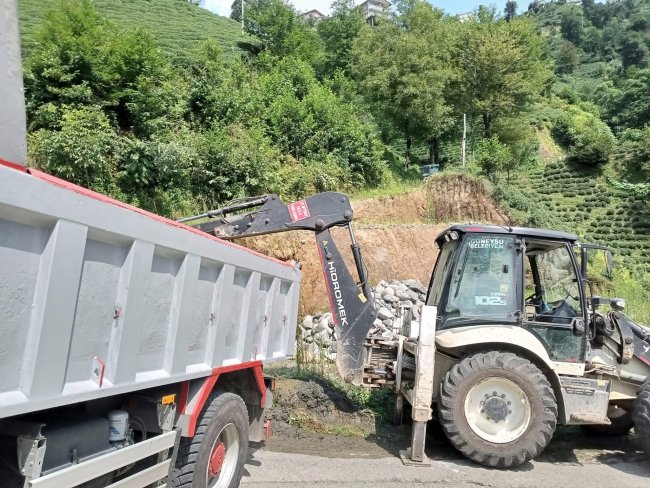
{"x":598,"y":259}
{"x":609,"y":264}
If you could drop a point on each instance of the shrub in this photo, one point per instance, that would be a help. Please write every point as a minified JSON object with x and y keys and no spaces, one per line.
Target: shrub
{"x":79,"y":150}
{"x":588,"y":139}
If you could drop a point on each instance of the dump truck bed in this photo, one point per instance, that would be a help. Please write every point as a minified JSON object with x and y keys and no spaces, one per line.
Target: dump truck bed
{"x":99,"y":298}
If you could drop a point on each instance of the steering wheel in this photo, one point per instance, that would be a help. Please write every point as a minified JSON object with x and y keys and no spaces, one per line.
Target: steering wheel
{"x":562,"y":283}
{"x":534,"y":296}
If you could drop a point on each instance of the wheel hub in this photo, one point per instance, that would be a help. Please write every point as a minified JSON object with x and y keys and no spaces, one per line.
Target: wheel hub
{"x":496,"y":408}
{"x":216,"y":458}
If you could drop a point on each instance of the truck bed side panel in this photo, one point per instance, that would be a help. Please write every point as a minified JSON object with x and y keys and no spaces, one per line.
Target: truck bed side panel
{"x":98,"y":299}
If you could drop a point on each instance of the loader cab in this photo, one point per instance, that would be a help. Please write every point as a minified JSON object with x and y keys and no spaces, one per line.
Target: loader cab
{"x":491,"y":275}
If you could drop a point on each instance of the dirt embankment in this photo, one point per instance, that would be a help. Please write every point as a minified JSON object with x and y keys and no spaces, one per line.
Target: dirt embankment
{"x":396,"y":234}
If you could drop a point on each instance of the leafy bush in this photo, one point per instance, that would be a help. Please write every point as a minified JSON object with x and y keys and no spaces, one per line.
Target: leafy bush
{"x":80,"y":150}
{"x":587,"y":138}
{"x":633,"y":153}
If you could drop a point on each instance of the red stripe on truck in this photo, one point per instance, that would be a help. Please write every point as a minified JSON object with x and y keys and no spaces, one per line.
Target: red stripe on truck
{"x":208,"y":386}
{"x":53,"y":180}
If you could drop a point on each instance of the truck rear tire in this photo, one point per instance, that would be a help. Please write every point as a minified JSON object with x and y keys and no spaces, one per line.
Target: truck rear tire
{"x":641,"y":416}
{"x":215,"y":456}
{"x":497,"y":409}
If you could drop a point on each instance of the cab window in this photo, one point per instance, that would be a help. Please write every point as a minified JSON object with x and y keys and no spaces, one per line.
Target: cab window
{"x":555,"y":294}
{"x":484,"y":283}
{"x":445,"y":260}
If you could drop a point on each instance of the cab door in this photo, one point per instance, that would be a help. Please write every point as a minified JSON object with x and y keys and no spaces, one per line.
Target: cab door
{"x":554,"y":300}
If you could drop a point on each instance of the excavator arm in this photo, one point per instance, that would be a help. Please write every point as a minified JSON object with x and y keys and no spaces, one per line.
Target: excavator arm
{"x":352,"y":303}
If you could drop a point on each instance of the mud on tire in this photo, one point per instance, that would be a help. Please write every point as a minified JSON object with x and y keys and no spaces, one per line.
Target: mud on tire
{"x":641,"y":416}
{"x":480,"y":369}
{"x":194,"y":455}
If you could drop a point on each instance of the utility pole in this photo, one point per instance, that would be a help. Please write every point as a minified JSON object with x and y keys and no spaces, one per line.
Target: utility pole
{"x":463,"y":150}
{"x":242,"y":16}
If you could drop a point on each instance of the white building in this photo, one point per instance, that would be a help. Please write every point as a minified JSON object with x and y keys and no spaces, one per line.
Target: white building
{"x":373,"y":9}
{"x":313,"y":16}
{"x":466,"y":16}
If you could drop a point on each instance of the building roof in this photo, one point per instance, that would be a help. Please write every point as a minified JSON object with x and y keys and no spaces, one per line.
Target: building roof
{"x":314,"y":12}
{"x":386,"y":3}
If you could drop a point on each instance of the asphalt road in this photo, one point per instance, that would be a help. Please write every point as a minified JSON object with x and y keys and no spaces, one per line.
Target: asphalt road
{"x":281,"y":469}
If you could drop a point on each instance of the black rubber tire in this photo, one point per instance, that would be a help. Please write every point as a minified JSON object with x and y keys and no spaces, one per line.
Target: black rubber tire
{"x":641,"y":416}
{"x":451,"y":410}
{"x":619,"y":427}
{"x":194,"y":454}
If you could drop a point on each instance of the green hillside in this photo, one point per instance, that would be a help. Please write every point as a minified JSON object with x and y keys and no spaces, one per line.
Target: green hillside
{"x":600,"y":211}
{"x":176,"y":25}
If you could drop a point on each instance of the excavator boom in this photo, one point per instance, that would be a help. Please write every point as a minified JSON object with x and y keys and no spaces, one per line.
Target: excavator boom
{"x":352,"y":303}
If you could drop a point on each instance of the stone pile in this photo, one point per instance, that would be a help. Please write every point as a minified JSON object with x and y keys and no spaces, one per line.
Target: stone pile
{"x":318,"y":336}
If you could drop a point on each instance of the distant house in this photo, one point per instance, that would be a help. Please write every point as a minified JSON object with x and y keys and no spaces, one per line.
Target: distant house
{"x":373,"y":9}
{"x":313,"y":16}
{"x":466,"y":16}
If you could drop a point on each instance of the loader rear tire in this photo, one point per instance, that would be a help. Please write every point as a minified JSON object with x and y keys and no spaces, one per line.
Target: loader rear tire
{"x":641,"y":416}
{"x":498,"y":409}
{"x":215,"y":456}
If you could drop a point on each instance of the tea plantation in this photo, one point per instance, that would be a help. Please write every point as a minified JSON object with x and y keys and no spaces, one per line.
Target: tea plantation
{"x":600,"y":210}
{"x":176,"y":26}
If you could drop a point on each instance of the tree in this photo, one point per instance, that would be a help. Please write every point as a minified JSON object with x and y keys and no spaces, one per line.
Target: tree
{"x":405,"y":70}
{"x":339,"y":32}
{"x":503,"y":69}
{"x":510,"y":10}
{"x":587,"y":138}
{"x":567,"y":58}
{"x":633,"y":152}
{"x":571,"y":26}
{"x":626,"y":101}
{"x":82,"y":60}
{"x":250,"y":7}
{"x":492,"y":156}
{"x":79,"y":149}
{"x":221,"y":90}
{"x":634,"y":51}
{"x":308,"y":121}
{"x":282,"y":33}
{"x":535,"y":6}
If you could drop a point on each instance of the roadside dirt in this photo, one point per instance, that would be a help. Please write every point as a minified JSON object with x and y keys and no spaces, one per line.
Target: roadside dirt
{"x":312,"y":417}
{"x":390,"y":252}
{"x":309,"y":417}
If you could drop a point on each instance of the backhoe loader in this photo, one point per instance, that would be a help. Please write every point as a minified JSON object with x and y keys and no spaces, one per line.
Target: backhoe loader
{"x":521,"y":342}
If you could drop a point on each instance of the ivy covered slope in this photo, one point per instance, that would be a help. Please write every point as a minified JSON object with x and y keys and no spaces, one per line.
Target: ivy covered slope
{"x":175,"y":25}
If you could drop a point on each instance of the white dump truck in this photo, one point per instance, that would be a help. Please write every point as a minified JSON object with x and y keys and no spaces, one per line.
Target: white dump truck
{"x":131,"y":346}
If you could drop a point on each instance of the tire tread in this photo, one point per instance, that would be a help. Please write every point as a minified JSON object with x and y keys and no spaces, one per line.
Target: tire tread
{"x":188,"y":450}
{"x":641,"y":416}
{"x":488,"y":360}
